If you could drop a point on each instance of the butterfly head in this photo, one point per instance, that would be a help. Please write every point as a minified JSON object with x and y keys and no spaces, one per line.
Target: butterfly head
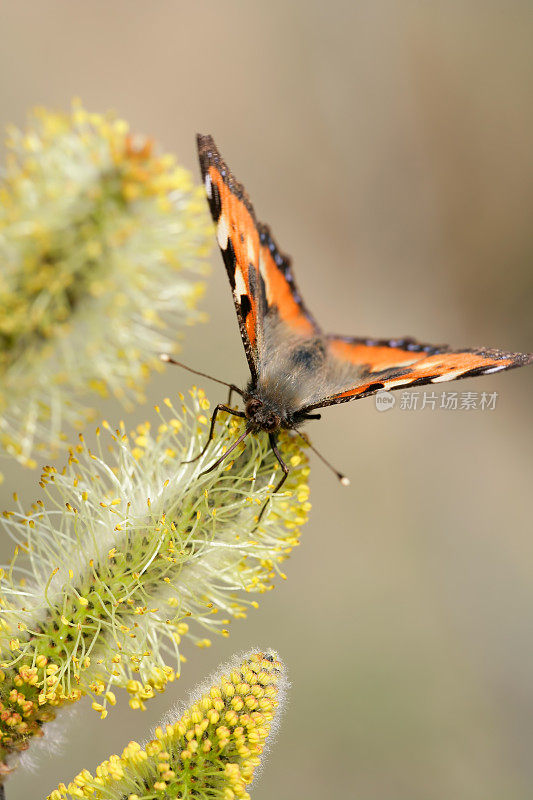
{"x":262,"y":416}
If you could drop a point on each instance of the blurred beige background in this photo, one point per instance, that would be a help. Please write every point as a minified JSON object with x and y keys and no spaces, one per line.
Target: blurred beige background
{"x":389,"y":146}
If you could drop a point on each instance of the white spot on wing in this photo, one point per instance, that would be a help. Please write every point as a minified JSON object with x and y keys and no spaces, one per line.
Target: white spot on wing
{"x":250,"y":250}
{"x":208,"y":187}
{"x":448,"y":376}
{"x":495,"y":369}
{"x":395,"y":382}
{"x":222,"y":232}
{"x":240,"y":286}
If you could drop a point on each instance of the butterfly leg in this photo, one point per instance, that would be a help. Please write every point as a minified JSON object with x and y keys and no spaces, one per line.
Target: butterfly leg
{"x":284,"y":467}
{"x":220,"y":407}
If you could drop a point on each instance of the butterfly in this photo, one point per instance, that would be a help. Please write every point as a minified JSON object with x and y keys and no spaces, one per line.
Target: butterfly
{"x":295,"y":368}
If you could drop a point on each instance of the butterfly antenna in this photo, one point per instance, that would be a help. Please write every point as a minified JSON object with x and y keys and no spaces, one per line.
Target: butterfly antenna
{"x":169,"y":360}
{"x":342,"y":478}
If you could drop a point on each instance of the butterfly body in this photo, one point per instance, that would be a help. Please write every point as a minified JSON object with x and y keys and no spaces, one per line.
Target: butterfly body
{"x":295,"y":368}
{"x":272,"y":407}
{"x":286,"y":380}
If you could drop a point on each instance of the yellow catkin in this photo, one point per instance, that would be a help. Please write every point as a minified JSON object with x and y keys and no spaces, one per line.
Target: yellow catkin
{"x":94,"y":225}
{"x":196,"y":756}
{"x":153,"y":580}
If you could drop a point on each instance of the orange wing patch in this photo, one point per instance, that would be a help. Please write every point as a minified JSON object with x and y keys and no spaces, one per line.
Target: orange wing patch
{"x":387,"y":371}
{"x":238,"y":240}
{"x":380,"y":355}
{"x":259,"y":273}
{"x":280,"y":288}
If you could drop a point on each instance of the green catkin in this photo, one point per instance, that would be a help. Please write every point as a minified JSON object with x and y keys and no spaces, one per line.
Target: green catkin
{"x":102,"y":242}
{"x":211,"y":753}
{"x":129,"y":553}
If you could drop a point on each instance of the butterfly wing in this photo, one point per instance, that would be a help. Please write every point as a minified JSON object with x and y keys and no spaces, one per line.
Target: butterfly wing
{"x":368,"y":366}
{"x":286,"y":351}
{"x":264,"y":291}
